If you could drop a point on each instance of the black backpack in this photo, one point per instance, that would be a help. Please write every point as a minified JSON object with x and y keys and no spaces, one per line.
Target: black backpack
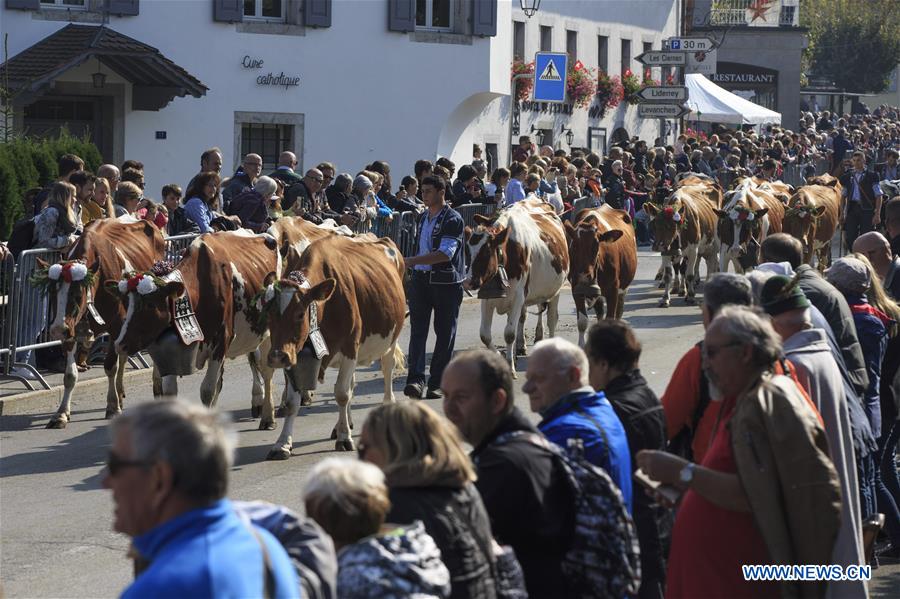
{"x":22,"y":237}
{"x":604,"y":560}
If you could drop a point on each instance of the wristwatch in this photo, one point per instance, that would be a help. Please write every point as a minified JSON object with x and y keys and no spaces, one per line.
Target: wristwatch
{"x":687,"y":474}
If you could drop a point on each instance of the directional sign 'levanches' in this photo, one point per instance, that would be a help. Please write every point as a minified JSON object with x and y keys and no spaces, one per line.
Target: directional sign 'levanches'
{"x":664,"y":94}
{"x":662,"y":111}
{"x":662,"y":59}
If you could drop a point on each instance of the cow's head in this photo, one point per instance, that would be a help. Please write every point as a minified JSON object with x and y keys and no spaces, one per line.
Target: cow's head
{"x":586,"y":252}
{"x":739,"y":223}
{"x":148,"y":312}
{"x":801,"y":221}
{"x":666,"y":222}
{"x":283,"y":305}
{"x":68,"y":285}
{"x":486,"y":248}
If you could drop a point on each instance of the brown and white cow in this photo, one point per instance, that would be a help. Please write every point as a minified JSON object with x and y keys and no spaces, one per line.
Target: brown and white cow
{"x":356,"y":288}
{"x":107,"y":248}
{"x":220,"y":273}
{"x":751,"y":213}
{"x":528,"y":241}
{"x":603,"y":254}
{"x":686,"y":225}
{"x":812,"y":217}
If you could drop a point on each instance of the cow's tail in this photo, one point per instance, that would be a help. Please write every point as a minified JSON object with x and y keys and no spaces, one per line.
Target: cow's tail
{"x":399,"y":356}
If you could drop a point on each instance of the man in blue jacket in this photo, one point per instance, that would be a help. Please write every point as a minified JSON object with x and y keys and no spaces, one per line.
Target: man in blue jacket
{"x":168,"y":472}
{"x":559,"y":389}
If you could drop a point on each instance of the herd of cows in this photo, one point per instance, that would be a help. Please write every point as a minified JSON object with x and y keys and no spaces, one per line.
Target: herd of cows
{"x":303,"y":297}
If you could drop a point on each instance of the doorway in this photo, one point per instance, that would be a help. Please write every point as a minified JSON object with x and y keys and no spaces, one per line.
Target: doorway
{"x":81,"y":116}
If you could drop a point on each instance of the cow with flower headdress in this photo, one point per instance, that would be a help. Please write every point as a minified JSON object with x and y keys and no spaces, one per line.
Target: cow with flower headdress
{"x":685,"y":226}
{"x":201,"y":312}
{"x":82,"y":308}
{"x":751,"y":213}
{"x":812,"y":217}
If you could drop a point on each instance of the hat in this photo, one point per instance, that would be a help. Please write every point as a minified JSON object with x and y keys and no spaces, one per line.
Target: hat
{"x":781,"y":294}
{"x":849,"y":274}
{"x":362,"y":182}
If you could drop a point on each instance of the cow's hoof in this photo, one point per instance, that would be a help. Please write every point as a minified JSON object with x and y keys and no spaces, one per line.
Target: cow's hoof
{"x":306,"y":401}
{"x":333,"y":434}
{"x":661,"y":286}
{"x":682,"y":292}
{"x":255,"y":411}
{"x":521,"y":352}
{"x":110,"y":414}
{"x":279,"y":412}
{"x":664,"y":304}
{"x":690,"y":300}
{"x":279,"y":454}
{"x":658,"y":277}
{"x":266,"y":426}
{"x":58,"y":422}
{"x":344,"y":445}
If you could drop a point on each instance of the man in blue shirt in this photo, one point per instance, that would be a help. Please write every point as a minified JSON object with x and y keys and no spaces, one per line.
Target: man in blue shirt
{"x":558,"y":388}
{"x":168,"y":473}
{"x":438,"y":271}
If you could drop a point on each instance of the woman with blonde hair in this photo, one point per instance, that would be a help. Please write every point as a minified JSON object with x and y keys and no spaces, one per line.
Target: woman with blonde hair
{"x":100,"y":204}
{"x":430,"y":478}
{"x":59,"y":223}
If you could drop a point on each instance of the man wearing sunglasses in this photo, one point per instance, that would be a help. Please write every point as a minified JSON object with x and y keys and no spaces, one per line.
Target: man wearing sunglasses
{"x":168,"y":472}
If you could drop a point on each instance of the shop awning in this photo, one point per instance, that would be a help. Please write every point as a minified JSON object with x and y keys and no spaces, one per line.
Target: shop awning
{"x":156,"y":79}
{"x":712,"y":104}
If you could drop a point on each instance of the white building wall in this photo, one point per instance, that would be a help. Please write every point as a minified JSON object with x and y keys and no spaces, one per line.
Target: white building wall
{"x":365,"y":93}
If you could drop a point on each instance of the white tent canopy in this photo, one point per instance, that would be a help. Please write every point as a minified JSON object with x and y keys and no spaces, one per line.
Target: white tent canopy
{"x":712,"y":104}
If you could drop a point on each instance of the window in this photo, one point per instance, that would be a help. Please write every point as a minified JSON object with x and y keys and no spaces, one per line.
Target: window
{"x":626,"y":56}
{"x":268,"y":10}
{"x":597,"y":140}
{"x":546,"y":38}
{"x":603,"y":53}
{"x":648,"y":47}
{"x":266,"y":140}
{"x":76,"y":4}
{"x":519,"y":40}
{"x":572,"y":45}
{"x":434,"y":14}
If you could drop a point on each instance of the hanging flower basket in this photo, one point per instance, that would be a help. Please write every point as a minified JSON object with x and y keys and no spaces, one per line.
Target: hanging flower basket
{"x":581,"y":84}
{"x":523,"y":85}
{"x":631,"y":85}
{"x":609,"y":92}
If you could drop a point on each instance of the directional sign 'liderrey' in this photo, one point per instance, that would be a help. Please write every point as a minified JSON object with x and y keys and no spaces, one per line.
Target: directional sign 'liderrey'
{"x":691,"y":44}
{"x":662,"y":111}
{"x":671,"y":94}
{"x":662,"y":59}
{"x":550,"y":76}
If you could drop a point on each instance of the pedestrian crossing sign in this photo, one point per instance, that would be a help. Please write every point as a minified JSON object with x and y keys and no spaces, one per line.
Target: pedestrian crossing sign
{"x":550,"y":73}
{"x":550,"y":76}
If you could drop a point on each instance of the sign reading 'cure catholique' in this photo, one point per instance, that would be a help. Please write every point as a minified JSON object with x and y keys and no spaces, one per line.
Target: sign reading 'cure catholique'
{"x":280,"y":79}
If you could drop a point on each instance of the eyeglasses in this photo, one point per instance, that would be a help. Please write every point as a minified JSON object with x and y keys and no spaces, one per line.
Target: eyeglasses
{"x":711,"y":351}
{"x":115,"y":464}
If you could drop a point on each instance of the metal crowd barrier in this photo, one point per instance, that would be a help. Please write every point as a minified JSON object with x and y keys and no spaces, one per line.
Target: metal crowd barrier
{"x":176,"y":245}
{"x":24,"y":311}
{"x":468,"y":212}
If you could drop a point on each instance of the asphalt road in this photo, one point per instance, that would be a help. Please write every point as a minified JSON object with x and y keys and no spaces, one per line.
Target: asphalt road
{"x":55,"y":519}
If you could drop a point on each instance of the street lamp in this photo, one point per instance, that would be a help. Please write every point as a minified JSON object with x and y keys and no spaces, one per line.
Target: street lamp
{"x":538,"y":135}
{"x":570,"y":137}
{"x":529,"y":7}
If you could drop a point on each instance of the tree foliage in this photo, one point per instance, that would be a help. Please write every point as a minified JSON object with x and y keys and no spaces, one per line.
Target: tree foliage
{"x":28,"y":163}
{"x":855,"y":43}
